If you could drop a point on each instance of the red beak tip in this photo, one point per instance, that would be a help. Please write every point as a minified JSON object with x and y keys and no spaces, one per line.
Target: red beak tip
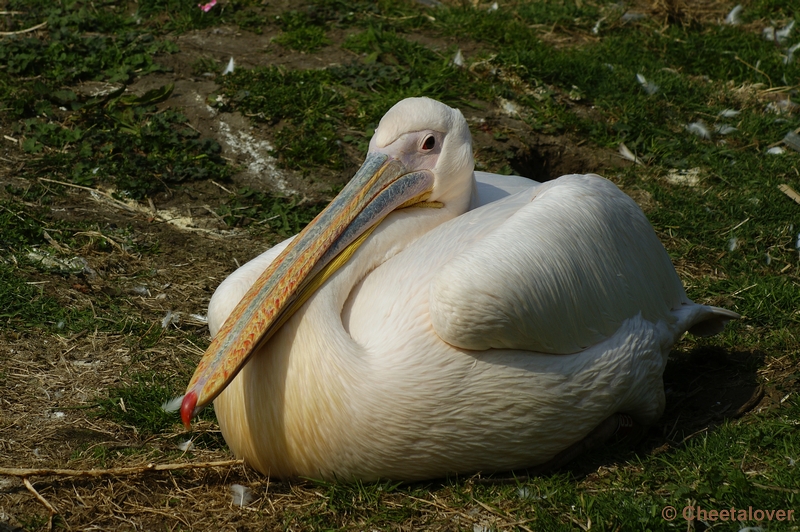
{"x":187,"y":409}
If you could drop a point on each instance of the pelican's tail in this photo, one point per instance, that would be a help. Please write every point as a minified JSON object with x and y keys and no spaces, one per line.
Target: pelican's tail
{"x":703,"y":320}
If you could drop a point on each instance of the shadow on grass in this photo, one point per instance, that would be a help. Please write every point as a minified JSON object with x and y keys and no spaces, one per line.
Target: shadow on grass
{"x":704,"y":388}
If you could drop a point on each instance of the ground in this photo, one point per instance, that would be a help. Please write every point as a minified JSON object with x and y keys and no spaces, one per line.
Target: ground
{"x":112,"y":291}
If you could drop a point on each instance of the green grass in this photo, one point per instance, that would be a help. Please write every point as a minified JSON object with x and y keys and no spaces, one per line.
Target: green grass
{"x":126,"y":141}
{"x":26,"y":299}
{"x":178,"y":16}
{"x":118,"y":139}
{"x":712,"y":471}
{"x":138,"y":405}
{"x":302,"y":32}
{"x":283,"y":216}
{"x":26,"y":305}
{"x":737,"y":465}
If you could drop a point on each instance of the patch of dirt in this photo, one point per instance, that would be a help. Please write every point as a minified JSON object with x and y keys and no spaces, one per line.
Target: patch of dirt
{"x":50,"y":382}
{"x":686,"y":12}
{"x":248,"y":144}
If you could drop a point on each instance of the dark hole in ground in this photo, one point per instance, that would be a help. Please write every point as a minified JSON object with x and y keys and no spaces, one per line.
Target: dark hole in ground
{"x":529,"y":163}
{"x":546,"y":158}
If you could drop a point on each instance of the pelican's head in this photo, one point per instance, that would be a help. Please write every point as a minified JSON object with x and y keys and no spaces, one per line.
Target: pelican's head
{"x":425,"y":134}
{"x":420,"y":155}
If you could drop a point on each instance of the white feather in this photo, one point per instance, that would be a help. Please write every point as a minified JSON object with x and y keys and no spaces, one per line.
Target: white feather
{"x":779,"y":36}
{"x":699,"y":128}
{"x":729,"y":113}
{"x":186,"y":445}
{"x":790,"y":54}
{"x":792,"y":140}
{"x":458,"y":59}
{"x":649,"y":88}
{"x":241,"y":495}
{"x":229,"y":68}
{"x":169,"y":318}
{"x":173,"y":405}
{"x":783,"y":33}
{"x":508,"y":107}
{"x":733,"y":15}
{"x":141,"y":290}
{"x":628,"y":154}
{"x":632,"y":16}
{"x":724,"y":129}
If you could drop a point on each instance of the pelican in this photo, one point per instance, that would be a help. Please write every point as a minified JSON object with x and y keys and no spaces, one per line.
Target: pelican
{"x":435,"y":320}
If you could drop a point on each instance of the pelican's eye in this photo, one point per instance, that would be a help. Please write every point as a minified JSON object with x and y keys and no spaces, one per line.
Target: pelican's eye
{"x":429,"y":143}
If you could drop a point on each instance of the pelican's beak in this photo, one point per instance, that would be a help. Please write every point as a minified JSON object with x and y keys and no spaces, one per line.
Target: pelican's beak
{"x":381,"y":185}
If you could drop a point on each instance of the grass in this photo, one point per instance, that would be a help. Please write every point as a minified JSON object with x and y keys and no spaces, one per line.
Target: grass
{"x":25,"y":302}
{"x":302,"y":31}
{"x":570,"y":68}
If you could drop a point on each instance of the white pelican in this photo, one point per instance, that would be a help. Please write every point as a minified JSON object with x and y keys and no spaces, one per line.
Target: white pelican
{"x":474,"y":329}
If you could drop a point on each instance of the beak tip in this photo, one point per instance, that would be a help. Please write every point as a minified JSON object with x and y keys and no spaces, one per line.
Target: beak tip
{"x":187,"y":409}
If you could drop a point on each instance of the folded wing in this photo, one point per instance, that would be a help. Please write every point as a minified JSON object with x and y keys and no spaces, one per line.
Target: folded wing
{"x":559,"y":275}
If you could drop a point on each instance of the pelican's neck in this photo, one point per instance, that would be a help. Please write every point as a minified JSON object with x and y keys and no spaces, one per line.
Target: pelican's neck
{"x":399,"y":230}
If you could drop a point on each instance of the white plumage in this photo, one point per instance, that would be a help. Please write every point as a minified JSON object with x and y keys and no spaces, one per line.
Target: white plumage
{"x":488,"y":334}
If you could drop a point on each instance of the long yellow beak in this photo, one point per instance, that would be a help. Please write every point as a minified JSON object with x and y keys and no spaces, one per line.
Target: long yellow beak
{"x":380,"y":186}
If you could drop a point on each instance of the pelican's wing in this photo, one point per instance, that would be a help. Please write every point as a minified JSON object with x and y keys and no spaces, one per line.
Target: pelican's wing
{"x":558,"y":275}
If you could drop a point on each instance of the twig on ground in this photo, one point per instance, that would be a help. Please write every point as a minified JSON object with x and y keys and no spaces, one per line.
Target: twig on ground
{"x":775,"y":488}
{"x":27,"y":30}
{"x":580,"y":525}
{"x":42,"y":500}
{"x":754,"y":68}
{"x":444,"y":508}
{"x":108,"y":196}
{"x":220,"y":186}
{"x":94,"y":473}
{"x":158,"y":216}
{"x":505,"y":516}
{"x":789,"y":191}
{"x":113,"y":472}
{"x":107,"y":238}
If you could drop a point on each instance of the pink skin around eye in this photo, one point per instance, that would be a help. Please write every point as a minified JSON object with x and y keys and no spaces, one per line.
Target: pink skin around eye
{"x":207,"y":7}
